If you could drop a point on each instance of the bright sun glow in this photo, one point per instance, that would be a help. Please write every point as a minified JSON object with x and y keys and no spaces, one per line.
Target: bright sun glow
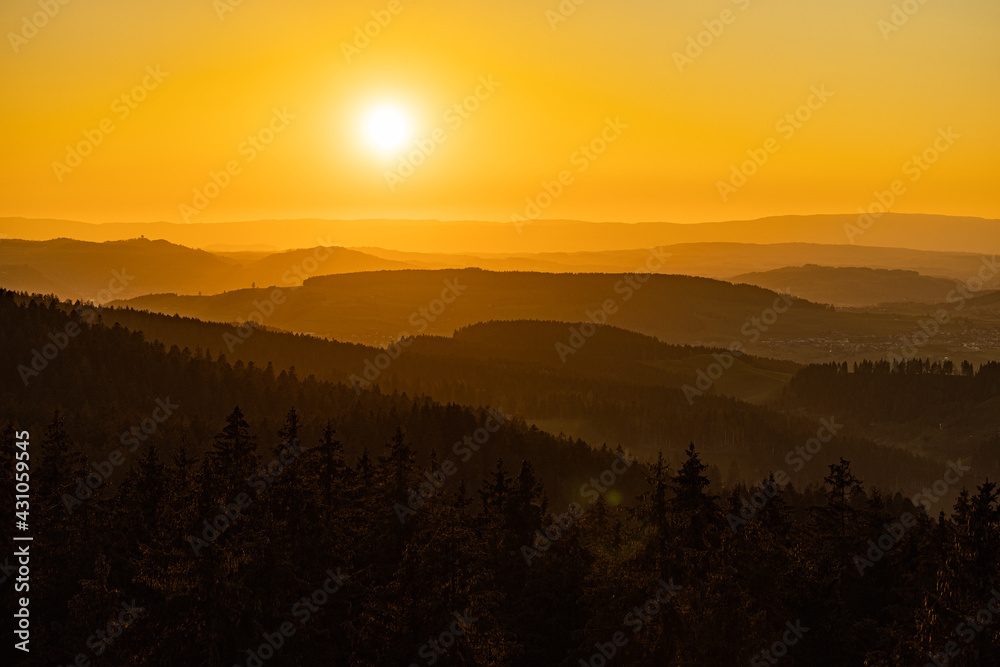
{"x":388,"y":128}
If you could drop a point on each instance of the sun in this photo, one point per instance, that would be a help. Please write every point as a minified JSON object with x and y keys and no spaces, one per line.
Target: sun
{"x":387,"y":127}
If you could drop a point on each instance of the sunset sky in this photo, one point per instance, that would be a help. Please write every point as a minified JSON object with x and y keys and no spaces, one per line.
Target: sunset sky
{"x":280,"y":71}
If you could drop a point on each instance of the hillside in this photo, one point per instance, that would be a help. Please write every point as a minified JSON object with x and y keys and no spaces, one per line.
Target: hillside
{"x":294,"y":266}
{"x":377,"y":308}
{"x":851,"y":286}
{"x":100,"y":272}
{"x":97,"y":368}
{"x":627,"y":389}
{"x":306,"y":485}
{"x":924,"y":406}
{"x":116,"y":269}
{"x":985,"y":305}
{"x":84,"y":270}
{"x":381,"y":306}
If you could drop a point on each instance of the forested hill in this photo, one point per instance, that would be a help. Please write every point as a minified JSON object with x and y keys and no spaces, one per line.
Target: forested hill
{"x":108,"y":382}
{"x":602,"y":396}
{"x":239,"y":536}
{"x":949,"y":409}
{"x":851,"y":286}
{"x":910,"y":390}
{"x":379,"y":306}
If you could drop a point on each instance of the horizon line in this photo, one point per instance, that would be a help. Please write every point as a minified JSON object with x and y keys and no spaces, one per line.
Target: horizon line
{"x":491,"y":222}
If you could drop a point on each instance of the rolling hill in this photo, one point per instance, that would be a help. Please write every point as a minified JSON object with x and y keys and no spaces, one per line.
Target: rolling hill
{"x":379,"y":307}
{"x":851,"y":286}
{"x":622,"y":388}
{"x":83,"y":269}
{"x":100,"y":272}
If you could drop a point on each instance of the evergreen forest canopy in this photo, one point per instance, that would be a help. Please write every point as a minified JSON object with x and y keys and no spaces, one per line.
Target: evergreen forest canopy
{"x":313,"y":524}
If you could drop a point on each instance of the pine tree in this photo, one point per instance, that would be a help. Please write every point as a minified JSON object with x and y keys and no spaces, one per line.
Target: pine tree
{"x":234,"y":455}
{"x":332,"y":468}
{"x":695,"y":516}
{"x":651,"y":513}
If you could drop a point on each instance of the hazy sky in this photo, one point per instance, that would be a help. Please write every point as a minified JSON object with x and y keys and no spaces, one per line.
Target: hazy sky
{"x":224,"y":76}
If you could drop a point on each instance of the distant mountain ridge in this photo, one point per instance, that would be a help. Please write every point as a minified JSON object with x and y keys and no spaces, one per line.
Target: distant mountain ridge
{"x":83,"y":269}
{"x":87,"y":270}
{"x":914,"y":231}
{"x":709,"y":260}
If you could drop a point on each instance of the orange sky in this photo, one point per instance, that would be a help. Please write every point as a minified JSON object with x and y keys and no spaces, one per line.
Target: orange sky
{"x":281,"y":72}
